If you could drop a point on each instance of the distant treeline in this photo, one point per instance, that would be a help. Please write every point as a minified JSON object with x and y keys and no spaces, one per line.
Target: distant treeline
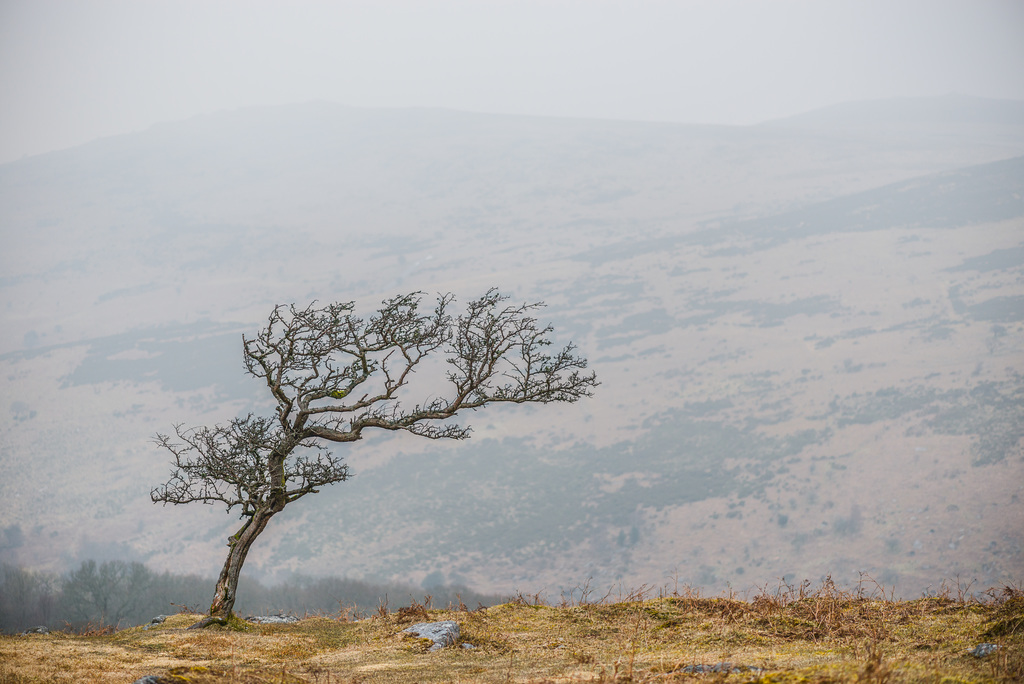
{"x":122,"y":594}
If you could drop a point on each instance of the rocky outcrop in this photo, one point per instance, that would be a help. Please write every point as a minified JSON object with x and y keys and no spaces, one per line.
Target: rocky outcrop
{"x":445,"y":633}
{"x":272,"y":619}
{"x":158,"y":620}
{"x":718,"y":668}
{"x":982,"y":650}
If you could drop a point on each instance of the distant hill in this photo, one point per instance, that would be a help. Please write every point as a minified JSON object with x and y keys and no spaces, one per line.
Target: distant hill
{"x":808,"y":334}
{"x":943,"y":110}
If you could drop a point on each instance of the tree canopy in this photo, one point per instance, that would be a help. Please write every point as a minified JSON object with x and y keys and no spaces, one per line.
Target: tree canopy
{"x":334,"y":375}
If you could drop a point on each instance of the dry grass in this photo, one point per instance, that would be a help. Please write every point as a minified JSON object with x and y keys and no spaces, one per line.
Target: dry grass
{"x":790,"y":634}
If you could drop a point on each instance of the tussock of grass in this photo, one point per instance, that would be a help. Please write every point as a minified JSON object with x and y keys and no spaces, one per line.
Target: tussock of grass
{"x":792,"y":634}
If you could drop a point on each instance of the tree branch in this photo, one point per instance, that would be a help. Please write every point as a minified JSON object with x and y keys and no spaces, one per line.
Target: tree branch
{"x":495,"y":353}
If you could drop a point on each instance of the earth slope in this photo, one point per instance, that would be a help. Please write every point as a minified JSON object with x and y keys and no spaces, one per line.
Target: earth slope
{"x":808,"y":334}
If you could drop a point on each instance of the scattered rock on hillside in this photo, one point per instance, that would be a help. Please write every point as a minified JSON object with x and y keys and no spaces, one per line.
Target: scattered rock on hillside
{"x":982,"y":650}
{"x":445,"y":633}
{"x":272,"y":619}
{"x":158,"y":620}
{"x":721,"y":668}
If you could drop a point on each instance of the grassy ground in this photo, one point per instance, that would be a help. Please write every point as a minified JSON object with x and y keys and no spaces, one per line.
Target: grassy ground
{"x":789,"y":635}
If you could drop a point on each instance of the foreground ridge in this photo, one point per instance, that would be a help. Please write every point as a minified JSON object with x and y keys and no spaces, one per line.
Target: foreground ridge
{"x":792,"y":634}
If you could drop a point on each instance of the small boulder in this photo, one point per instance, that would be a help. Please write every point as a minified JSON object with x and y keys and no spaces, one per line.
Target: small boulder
{"x":272,"y":619}
{"x":158,"y":620}
{"x":445,"y":633}
{"x":982,"y":650}
{"x":719,"y":668}
{"x":41,"y":629}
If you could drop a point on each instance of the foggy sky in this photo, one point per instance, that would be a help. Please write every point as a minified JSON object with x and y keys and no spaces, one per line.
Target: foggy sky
{"x":74,"y":71}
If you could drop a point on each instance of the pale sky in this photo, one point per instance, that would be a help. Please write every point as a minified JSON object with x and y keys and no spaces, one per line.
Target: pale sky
{"x":75,"y":70}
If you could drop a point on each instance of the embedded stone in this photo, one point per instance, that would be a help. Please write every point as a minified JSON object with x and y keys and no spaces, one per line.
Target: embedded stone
{"x":444,"y":633}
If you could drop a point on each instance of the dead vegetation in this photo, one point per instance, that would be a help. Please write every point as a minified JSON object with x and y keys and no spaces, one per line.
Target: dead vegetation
{"x":786,"y":634}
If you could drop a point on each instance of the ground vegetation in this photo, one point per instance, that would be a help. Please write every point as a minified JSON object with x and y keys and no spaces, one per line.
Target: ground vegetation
{"x":784,"y":634}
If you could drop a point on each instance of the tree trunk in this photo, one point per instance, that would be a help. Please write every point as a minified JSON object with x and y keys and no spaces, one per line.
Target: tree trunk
{"x":239,"y":544}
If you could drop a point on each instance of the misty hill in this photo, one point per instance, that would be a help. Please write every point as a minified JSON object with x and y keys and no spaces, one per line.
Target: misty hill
{"x":912,"y":112}
{"x":808,"y":338}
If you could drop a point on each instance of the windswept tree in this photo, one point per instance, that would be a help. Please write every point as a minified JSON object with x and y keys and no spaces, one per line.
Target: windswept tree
{"x":335,"y":376}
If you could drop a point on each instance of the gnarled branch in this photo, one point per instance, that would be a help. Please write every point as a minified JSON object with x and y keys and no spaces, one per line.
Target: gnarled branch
{"x":335,"y":375}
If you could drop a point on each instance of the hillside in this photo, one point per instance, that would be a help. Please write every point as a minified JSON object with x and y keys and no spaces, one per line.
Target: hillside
{"x":789,"y":635}
{"x":809,"y":339}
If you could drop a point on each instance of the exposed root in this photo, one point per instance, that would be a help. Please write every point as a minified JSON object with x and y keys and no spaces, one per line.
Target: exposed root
{"x":209,"y":620}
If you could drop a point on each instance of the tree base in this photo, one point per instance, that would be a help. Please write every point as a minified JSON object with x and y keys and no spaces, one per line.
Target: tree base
{"x":207,"y":621}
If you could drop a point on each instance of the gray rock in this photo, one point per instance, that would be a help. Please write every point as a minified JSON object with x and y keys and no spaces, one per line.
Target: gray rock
{"x":445,"y":633}
{"x":149,"y":679}
{"x":41,"y":629}
{"x":272,"y":619}
{"x":982,"y":650}
{"x":722,"y":668}
{"x":159,"y":619}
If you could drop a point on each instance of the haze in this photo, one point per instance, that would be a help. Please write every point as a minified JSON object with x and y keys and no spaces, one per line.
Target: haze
{"x":787,"y":236}
{"x":74,"y":71}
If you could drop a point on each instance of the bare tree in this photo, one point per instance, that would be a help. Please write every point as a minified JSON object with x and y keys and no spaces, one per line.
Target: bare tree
{"x":107,"y":593}
{"x":333,"y":376}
